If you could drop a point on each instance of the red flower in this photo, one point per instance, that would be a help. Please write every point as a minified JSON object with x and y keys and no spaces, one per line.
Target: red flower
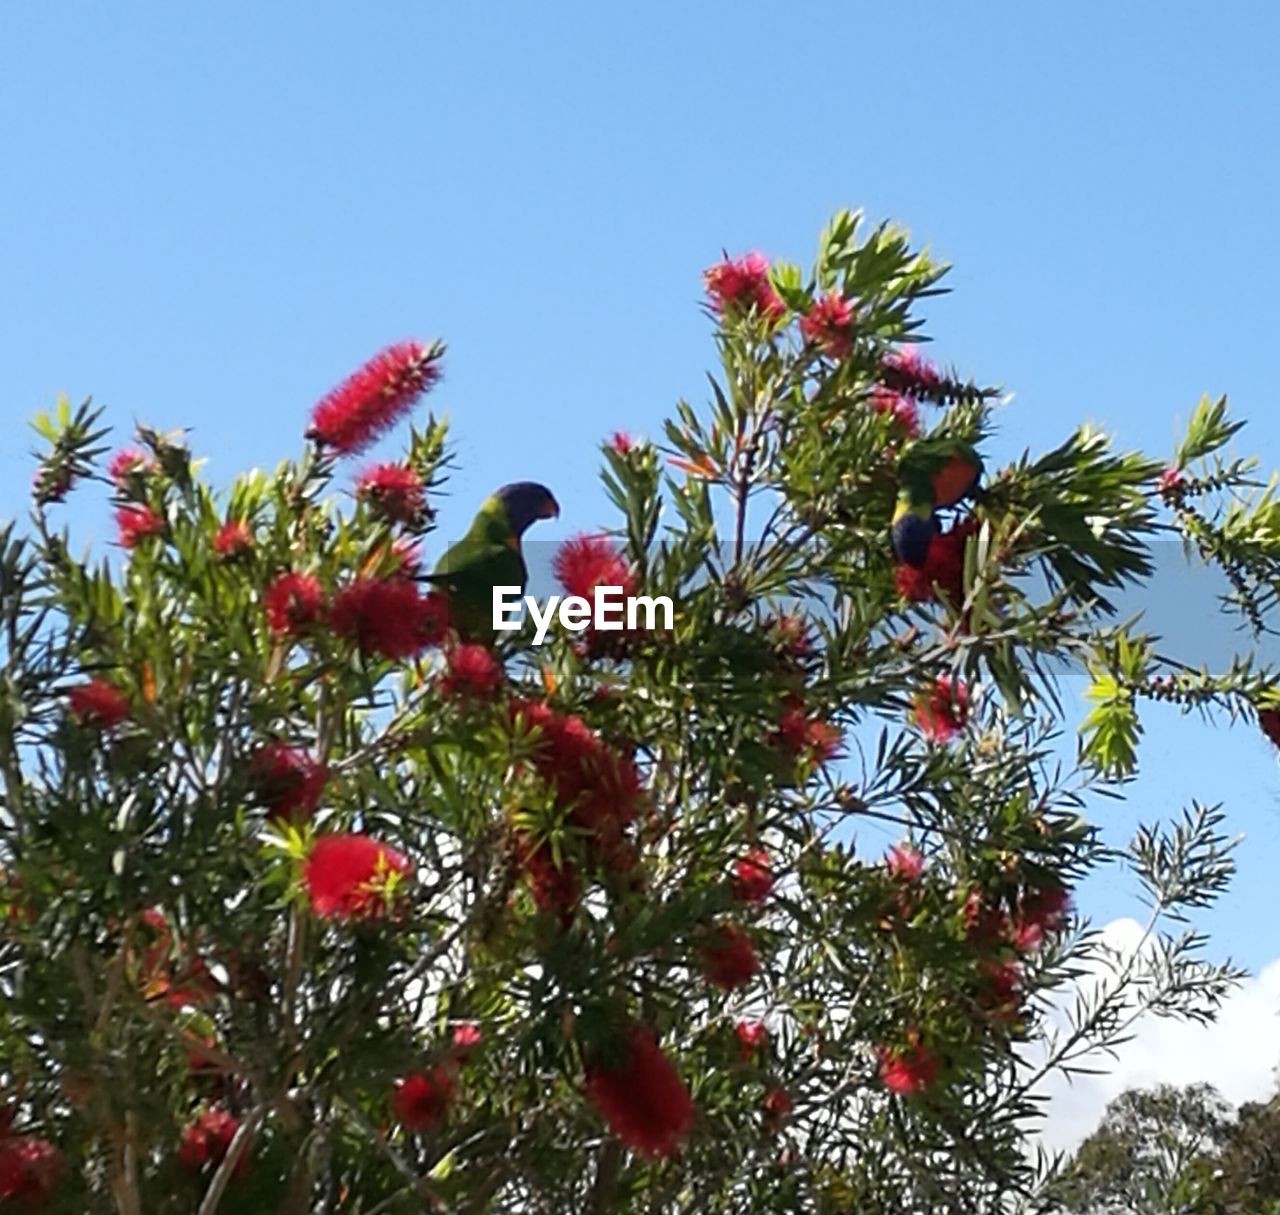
{"x":208,"y":1139}
{"x":776,"y":1106}
{"x":471,"y":672}
{"x":347,"y":876}
{"x":421,"y":1098}
{"x":466,"y":1037}
{"x":642,"y":1097}
{"x":621,"y":442}
{"x":293,"y":602}
{"x":940,"y":712}
{"x":232,"y":538}
{"x":98,"y":703}
{"x":744,"y":285}
{"x":1040,"y":912}
{"x":385,"y":616}
{"x":135,"y":523}
{"x":287,"y":780}
{"x":1269,"y":720}
{"x":1000,"y":995}
{"x":908,"y":1070}
{"x":752,"y":877}
{"x":983,"y":923}
{"x":376,"y":397}
{"x":126,"y":464}
{"x":904,"y":863}
{"x":910,"y":372}
{"x":752,"y":1035}
{"x":394,"y":490}
{"x":900,"y":407}
{"x":555,"y":887}
{"x":790,"y":635}
{"x":729,"y":958}
{"x":29,"y":1169}
{"x":586,"y":562}
{"x":801,"y":735}
{"x":942,"y":574}
{"x":829,"y":324}
{"x":1169,"y":483}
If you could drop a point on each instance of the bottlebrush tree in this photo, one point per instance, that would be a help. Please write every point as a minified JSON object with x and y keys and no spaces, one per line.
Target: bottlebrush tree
{"x":310,"y":905}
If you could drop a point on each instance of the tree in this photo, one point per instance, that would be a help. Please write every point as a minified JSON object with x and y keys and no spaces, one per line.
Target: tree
{"x":1172,"y":1151}
{"x":312,"y":905}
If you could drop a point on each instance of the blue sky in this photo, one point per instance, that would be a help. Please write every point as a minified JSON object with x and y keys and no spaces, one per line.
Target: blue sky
{"x":212,"y":213}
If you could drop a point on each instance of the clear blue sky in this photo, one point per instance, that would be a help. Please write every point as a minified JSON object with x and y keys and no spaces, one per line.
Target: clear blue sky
{"x":211,"y":213}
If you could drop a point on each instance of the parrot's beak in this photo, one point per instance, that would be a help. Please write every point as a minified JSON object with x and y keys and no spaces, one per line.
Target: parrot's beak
{"x":550,"y":509}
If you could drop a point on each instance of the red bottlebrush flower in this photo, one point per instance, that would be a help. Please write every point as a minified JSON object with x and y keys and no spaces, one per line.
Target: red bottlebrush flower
{"x":347,"y":876}
{"x":293,"y":602}
{"x":29,"y":1170}
{"x":1000,"y":995}
{"x":586,"y":562}
{"x":621,"y":442}
{"x":1040,"y":912}
{"x":376,"y":397}
{"x":942,"y":574}
{"x":910,"y":372}
{"x":385,"y":616}
{"x":940,"y":712}
{"x":232,"y":538}
{"x":776,"y":1105}
{"x":466,"y":1037}
{"x":752,"y":877}
{"x":471,"y":672}
{"x":904,"y":863}
{"x":1169,"y":483}
{"x":641,"y":1096}
{"x":829,"y":324}
{"x":900,"y":407}
{"x":752,"y":1036}
{"x":984,"y":924}
{"x":207,"y":1140}
{"x":136,"y":523}
{"x":743,"y":284}
{"x":1269,"y":721}
{"x":790,"y":635}
{"x":421,"y":1099}
{"x":287,"y":780}
{"x":555,"y":888}
{"x":98,"y":703}
{"x":126,"y":464}
{"x":394,"y":490}
{"x":729,"y":958}
{"x":908,"y":1070}
{"x":801,"y":735}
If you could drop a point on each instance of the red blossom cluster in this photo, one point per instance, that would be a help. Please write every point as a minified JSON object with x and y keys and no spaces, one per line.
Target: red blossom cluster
{"x":471,"y":672}
{"x":752,"y":1036}
{"x":293,"y":602}
{"x":206,"y":1140}
{"x":906,"y":370}
{"x":908,"y":1069}
{"x":1269,"y":723}
{"x":373,"y":399}
{"x":395,"y":491}
{"x":287,"y":780}
{"x":169,"y":971}
{"x":1037,"y":911}
{"x":752,"y":876}
{"x":349,"y":876}
{"x":775,"y":1105}
{"x":387,"y":617}
{"x":585,"y":562}
{"x":829,"y":324}
{"x":98,"y":703}
{"x":596,"y":784}
{"x":729,"y":957}
{"x":233,"y":538}
{"x":904,"y":863}
{"x":421,"y":1099}
{"x":127,"y":464}
{"x":743,"y":284}
{"x":641,"y":1096}
{"x":900,"y":407}
{"x":804,"y":736}
{"x":941,"y":576}
{"x":941,"y":711}
{"x":136,"y":523}
{"x":30,"y":1168}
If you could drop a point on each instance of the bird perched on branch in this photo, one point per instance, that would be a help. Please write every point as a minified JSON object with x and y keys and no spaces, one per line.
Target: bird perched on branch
{"x":933,"y":473}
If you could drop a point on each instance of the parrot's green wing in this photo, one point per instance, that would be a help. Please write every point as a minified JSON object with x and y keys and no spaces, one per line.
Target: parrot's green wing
{"x":487,"y":556}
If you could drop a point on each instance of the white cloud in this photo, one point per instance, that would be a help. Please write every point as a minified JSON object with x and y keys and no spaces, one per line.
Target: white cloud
{"x":1237,"y":1054}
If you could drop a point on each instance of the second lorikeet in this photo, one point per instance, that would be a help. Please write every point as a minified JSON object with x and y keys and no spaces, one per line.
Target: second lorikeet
{"x":934,"y":473}
{"x":489,"y":555}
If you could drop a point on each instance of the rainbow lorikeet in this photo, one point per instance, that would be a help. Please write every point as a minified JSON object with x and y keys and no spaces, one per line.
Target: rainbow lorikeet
{"x":489,"y":555}
{"x":933,"y":473}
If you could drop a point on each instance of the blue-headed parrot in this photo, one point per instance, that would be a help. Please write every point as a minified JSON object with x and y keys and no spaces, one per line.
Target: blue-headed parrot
{"x":489,"y":555}
{"x":933,"y":473}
